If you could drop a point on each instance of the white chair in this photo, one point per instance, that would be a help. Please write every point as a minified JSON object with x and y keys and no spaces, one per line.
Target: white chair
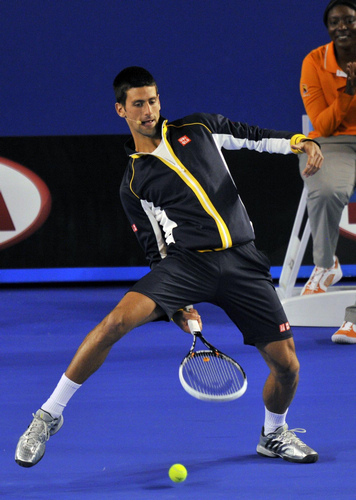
{"x":323,"y":309}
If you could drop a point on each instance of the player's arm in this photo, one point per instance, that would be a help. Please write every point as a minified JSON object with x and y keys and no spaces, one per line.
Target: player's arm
{"x":238,"y":135}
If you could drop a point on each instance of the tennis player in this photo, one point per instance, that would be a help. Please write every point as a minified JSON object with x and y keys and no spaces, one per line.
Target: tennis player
{"x":185,"y":210}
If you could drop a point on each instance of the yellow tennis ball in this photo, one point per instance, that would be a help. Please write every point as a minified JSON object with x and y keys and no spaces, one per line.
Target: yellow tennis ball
{"x":178,"y":473}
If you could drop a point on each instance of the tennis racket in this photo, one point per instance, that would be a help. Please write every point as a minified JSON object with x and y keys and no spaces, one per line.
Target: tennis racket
{"x":209,"y":374}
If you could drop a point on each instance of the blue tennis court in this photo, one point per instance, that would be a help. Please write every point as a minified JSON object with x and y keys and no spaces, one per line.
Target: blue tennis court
{"x":132,"y":420}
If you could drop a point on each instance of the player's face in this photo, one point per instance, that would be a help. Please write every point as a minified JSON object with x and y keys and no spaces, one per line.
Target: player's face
{"x":342,"y":26}
{"x":142,"y":110}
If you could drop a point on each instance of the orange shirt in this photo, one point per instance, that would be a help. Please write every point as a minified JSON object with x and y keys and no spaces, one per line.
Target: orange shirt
{"x":322,"y":85}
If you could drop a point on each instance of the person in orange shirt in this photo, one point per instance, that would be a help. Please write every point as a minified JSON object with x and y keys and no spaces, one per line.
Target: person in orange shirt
{"x":328,"y":88}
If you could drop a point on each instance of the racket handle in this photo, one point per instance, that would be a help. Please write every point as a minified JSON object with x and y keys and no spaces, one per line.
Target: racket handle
{"x":192,"y":323}
{"x":193,"y":326}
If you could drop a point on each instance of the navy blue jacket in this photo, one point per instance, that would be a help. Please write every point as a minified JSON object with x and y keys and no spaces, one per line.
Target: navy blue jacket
{"x":183,"y":193}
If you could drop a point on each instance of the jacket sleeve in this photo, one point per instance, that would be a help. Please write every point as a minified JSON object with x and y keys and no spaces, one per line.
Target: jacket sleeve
{"x":325,"y":119}
{"x":238,"y":135}
{"x":145,"y":227}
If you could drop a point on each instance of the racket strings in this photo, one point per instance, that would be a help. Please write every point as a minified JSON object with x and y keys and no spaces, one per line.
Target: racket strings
{"x":212,"y":374}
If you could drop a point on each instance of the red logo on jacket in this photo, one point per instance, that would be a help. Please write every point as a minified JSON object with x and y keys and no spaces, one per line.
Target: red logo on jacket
{"x":184,"y":140}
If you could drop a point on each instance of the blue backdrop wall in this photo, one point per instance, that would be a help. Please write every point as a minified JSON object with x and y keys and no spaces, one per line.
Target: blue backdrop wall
{"x":57,"y":117}
{"x":242,"y":59}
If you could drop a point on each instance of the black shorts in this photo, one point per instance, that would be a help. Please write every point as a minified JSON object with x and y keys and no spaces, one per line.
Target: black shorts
{"x":237,"y":280}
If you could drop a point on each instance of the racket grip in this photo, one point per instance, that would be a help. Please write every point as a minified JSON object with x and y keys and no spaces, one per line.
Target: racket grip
{"x":192,"y":323}
{"x":193,"y":326}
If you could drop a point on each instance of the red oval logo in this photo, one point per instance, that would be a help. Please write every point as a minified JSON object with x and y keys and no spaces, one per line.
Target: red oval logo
{"x":25,"y":203}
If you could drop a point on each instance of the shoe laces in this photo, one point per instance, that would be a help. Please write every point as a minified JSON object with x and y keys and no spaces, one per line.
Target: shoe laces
{"x":35,"y":429}
{"x":316,"y":277}
{"x":347,"y":326}
{"x":288,"y":436}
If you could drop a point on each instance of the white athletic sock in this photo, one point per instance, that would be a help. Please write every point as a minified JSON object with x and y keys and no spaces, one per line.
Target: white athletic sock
{"x":59,"y":398}
{"x":273,"y":421}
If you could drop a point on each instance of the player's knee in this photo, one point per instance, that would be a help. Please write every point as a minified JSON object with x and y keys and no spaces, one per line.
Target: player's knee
{"x":288,"y":371}
{"x":294,"y":366}
{"x":286,"y":368}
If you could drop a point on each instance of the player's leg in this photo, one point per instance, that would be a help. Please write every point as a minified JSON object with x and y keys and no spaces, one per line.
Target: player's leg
{"x":247,"y":295}
{"x":166,"y":285}
{"x":282,"y":382}
{"x":133,"y":310}
{"x":278,"y":392}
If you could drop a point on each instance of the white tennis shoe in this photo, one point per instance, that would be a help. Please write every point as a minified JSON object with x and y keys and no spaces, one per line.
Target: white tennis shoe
{"x":284,"y":443}
{"x":346,"y":334}
{"x":321,"y":278}
{"x":32,"y":444}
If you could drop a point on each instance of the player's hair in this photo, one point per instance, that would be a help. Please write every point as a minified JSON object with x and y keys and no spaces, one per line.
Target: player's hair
{"x":334,"y":3}
{"x":131,"y":77}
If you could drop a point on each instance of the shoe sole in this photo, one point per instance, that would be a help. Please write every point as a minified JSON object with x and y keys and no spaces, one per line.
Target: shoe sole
{"x":343,"y":339}
{"x":309,"y":459}
{"x":27,"y":464}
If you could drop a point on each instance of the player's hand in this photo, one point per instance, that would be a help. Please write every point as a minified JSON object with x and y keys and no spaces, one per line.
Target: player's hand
{"x":182,"y":316}
{"x":315,"y":157}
